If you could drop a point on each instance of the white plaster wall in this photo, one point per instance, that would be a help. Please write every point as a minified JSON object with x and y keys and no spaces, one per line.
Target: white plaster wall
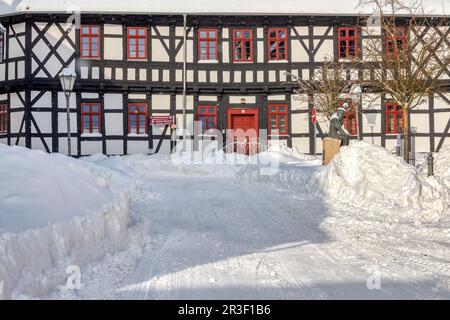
{"x":91,"y":147}
{"x":114,"y":124}
{"x":135,"y":147}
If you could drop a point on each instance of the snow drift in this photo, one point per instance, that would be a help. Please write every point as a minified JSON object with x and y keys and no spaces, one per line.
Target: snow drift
{"x":442,"y":165}
{"x":55,"y":212}
{"x":365,"y":174}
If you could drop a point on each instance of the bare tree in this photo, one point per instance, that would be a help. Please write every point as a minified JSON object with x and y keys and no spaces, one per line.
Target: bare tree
{"x":329,"y":87}
{"x":407,"y":60}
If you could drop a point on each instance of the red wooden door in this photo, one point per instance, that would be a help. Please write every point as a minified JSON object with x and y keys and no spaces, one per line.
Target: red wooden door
{"x":244,"y":123}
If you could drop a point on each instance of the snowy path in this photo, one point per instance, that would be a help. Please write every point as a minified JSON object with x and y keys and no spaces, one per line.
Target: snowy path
{"x":214,"y":237}
{"x":230,"y":240}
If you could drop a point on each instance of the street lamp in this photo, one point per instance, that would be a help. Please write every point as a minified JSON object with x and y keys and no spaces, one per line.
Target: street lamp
{"x":67,"y":78}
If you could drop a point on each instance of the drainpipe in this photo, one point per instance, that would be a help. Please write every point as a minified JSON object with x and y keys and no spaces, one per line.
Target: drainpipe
{"x":184,"y":78}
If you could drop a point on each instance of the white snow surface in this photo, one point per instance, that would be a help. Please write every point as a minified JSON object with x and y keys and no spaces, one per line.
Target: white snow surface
{"x":218,"y":231}
{"x":442,"y":163}
{"x":271,"y":7}
{"x":55,"y":212}
{"x":223,"y":229}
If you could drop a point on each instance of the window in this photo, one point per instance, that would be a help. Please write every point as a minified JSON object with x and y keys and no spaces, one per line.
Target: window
{"x":351,"y":121}
{"x":278,"y":119}
{"x":2,"y":47}
{"x":394,"y":118}
{"x":242,"y":45}
{"x":137,"y":43}
{"x":3,"y":118}
{"x":348,"y":42}
{"x":137,"y":118}
{"x":90,"y":42}
{"x":208,"y":117}
{"x":277,"y":44}
{"x":396,"y":42}
{"x":90,"y":118}
{"x":207,"y":44}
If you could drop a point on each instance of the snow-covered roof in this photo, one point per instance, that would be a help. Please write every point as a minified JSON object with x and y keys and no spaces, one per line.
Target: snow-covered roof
{"x":253,"y":7}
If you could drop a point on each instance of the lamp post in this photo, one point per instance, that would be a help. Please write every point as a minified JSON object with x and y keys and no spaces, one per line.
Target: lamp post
{"x":67,"y":78}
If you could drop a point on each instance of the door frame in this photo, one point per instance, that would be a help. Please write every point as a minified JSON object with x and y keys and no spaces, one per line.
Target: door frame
{"x":243,"y":111}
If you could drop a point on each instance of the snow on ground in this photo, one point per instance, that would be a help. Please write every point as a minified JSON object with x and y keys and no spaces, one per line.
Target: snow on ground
{"x":55,"y":212}
{"x":230,"y":232}
{"x":230,"y":227}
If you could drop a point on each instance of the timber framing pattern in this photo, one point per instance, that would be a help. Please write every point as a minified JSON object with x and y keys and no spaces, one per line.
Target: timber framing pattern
{"x":39,"y":46}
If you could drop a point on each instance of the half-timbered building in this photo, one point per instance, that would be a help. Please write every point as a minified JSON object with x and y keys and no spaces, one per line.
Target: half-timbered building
{"x":240,"y":59}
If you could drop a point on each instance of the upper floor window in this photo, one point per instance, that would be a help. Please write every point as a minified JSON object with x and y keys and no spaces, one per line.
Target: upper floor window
{"x":394,"y":118}
{"x":208,"y":44}
{"x":278,"y":119}
{"x":242,"y":45}
{"x":90,"y":42}
{"x":207,"y":115}
{"x":137,"y":118}
{"x":137,"y":43}
{"x":3,"y":118}
{"x":348,"y":42}
{"x":278,"y":43}
{"x":91,"y":118}
{"x":396,"y":41}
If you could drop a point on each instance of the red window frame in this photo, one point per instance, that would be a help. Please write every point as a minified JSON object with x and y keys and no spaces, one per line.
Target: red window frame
{"x":239,"y":38}
{"x":351,"y":121}
{"x":204,"y":113}
{"x":89,"y":37}
{"x":137,"y":110}
{"x":278,"y":111}
{"x":134,"y":34}
{"x":209,"y":43}
{"x":3,"y":118}
{"x":394,"y":118}
{"x":347,"y":35}
{"x":392,"y":42}
{"x":276,"y":40}
{"x":88,"y":110}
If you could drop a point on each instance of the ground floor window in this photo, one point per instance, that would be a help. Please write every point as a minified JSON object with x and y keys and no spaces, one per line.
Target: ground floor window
{"x":278,"y":119}
{"x":3,"y":118}
{"x":351,"y":121}
{"x":394,"y":118}
{"x":137,"y":118}
{"x":207,"y":115}
{"x":91,"y":117}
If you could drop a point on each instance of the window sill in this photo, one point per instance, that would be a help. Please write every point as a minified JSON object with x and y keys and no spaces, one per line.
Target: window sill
{"x":91,"y":135}
{"x":208,"y":61}
{"x":86,"y":58}
{"x":137,"y":135}
{"x":243,"y":62}
{"x":137,"y":60}
{"x":347,"y":59}
{"x":279,"y":135}
{"x":278,"y":61}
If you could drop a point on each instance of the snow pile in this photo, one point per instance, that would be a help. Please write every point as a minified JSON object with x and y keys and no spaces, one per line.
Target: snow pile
{"x":442,"y":164}
{"x":369,"y":174}
{"x":362,"y":174}
{"x":55,"y":212}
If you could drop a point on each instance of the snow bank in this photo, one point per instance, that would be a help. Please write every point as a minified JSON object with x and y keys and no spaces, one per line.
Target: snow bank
{"x":366,"y":173}
{"x":442,"y":163}
{"x":55,"y":212}
{"x":363,"y":174}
